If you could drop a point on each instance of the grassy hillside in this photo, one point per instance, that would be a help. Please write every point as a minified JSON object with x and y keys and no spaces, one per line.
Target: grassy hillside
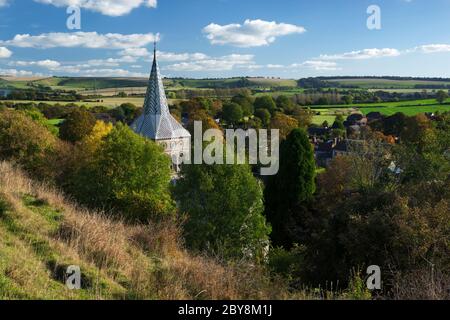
{"x":42,"y":233}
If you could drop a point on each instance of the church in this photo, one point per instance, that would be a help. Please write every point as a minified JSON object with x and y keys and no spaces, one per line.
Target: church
{"x":157,"y":124}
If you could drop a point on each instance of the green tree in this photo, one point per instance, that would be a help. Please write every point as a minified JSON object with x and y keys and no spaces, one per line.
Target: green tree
{"x":266,"y":102}
{"x":303,"y":116}
{"x":347,"y":99}
{"x":27,"y":143}
{"x":232,"y":113}
{"x":78,"y":124}
{"x":441,"y":96}
{"x":246,"y":102}
{"x":291,"y":187}
{"x":285,"y":103}
{"x":225,"y":208}
{"x":127,"y":174}
{"x":264,"y":115}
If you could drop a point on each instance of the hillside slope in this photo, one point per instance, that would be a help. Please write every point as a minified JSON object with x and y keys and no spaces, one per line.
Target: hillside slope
{"x":42,"y":233}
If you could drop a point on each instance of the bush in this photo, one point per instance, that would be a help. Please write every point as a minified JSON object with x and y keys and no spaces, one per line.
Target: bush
{"x":126,"y":173}
{"x":224,"y":206}
{"x":27,"y":143}
{"x":78,"y":124}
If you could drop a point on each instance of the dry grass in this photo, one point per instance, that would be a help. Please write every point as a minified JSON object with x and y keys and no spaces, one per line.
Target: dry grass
{"x":141,"y":262}
{"x":422,"y":285}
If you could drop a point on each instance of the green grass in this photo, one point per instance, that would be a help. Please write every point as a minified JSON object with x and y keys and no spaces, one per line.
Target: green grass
{"x":381,"y":83}
{"x":318,"y":120}
{"x":409,"y":111}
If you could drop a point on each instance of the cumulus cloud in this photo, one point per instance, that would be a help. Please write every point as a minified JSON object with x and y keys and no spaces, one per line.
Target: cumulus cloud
{"x":317,"y":65}
{"x":252,"y":33}
{"x":223,"y":63}
{"x":48,"y":64}
{"x":15,"y":73}
{"x":112,"y":8}
{"x":5,"y":53}
{"x":91,"y":40}
{"x":363,"y":54}
{"x":432,"y":48}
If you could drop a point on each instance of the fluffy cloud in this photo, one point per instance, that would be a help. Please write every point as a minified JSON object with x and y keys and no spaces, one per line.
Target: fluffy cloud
{"x":91,"y":40}
{"x":112,"y":8}
{"x":3,"y":3}
{"x":433,"y":48}
{"x":363,"y":54}
{"x":15,"y":73}
{"x":5,"y":53}
{"x":317,"y":65}
{"x":224,"y":63}
{"x":48,"y":64}
{"x":252,"y":33}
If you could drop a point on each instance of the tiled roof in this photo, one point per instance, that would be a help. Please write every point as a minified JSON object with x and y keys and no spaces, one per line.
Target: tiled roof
{"x":156,"y":122}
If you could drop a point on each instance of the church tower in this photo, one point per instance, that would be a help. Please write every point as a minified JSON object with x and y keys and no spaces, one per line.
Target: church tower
{"x":157,"y":124}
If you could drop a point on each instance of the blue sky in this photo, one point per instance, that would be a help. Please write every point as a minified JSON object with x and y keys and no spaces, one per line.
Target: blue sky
{"x":222,"y":38}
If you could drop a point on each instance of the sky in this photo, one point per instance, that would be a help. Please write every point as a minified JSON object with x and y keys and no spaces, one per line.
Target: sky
{"x":224,"y":38}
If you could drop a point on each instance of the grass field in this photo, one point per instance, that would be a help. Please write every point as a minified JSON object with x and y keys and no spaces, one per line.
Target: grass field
{"x":409,"y":111}
{"x":386,"y":83}
{"x":105,"y":102}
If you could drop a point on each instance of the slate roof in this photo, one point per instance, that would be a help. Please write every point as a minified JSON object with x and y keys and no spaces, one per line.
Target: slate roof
{"x":156,"y":122}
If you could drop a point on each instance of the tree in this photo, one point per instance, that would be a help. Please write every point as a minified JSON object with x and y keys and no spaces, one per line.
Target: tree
{"x":264,"y":115}
{"x":285,"y":103}
{"x":27,"y":143}
{"x":293,"y":185}
{"x":127,"y":174}
{"x":441,"y":96}
{"x":266,"y":102}
{"x":78,"y":124}
{"x":245,"y":102}
{"x":303,"y":116}
{"x":284,"y":123}
{"x":348,"y":99}
{"x":225,"y":208}
{"x":201,"y":115}
{"x":232,"y":113}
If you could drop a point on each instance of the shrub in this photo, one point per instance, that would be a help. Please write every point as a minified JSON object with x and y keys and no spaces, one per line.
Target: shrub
{"x":127,"y":173}
{"x":224,"y":204}
{"x":78,"y":124}
{"x":27,"y":143}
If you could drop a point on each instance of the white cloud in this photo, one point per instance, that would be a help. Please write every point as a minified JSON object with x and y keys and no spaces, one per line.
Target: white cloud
{"x":91,"y":40}
{"x":252,"y":33}
{"x":5,"y":53}
{"x":135,"y":52}
{"x":107,"y":7}
{"x":363,"y":54}
{"x":432,"y":48}
{"x":15,"y":73}
{"x":224,"y":63}
{"x":317,"y":65}
{"x":3,"y":3}
{"x":275,"y":66}
{"x":48,"y":64}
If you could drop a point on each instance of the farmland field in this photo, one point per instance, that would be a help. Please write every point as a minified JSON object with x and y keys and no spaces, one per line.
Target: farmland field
{"x":409,"y":111}
{"x":381,"y":83}
{"x":105,"y":102}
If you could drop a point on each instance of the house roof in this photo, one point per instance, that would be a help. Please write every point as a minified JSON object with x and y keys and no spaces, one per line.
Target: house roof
{"x":156,"y":122}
